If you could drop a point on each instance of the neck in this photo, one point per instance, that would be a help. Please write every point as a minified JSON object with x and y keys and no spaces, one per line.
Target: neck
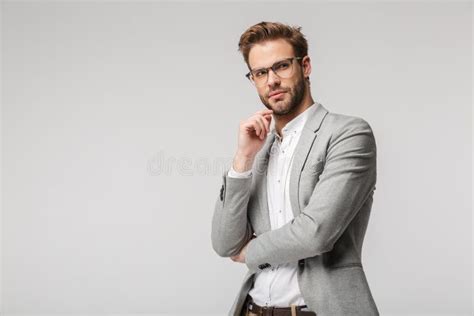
{"x":282,"y":120}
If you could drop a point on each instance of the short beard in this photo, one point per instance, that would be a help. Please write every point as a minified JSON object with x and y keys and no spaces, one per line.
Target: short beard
{"x":295,"y":100}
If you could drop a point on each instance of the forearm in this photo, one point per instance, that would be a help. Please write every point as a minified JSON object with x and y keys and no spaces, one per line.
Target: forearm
{"x":310,"y":234}
{"x":230,"y":227}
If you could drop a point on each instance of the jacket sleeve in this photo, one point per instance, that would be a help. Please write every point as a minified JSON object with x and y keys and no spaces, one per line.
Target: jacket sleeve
{"x":347,"y":180}
{"x":231,"y":229}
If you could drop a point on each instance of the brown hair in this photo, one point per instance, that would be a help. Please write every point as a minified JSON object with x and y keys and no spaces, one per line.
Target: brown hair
{"x":265,"y":31}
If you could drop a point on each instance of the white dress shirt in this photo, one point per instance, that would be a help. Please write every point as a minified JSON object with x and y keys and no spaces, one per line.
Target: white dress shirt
{"x":278,"y":286}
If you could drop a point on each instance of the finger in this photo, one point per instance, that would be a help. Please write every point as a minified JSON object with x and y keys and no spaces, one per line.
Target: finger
{"x":257,"y":118}
{"x":250,"y":125}
{"x":264,"y":123}
{"x":264,"y":111}
{"x":261,"y":135}
{"x":257,"y":126}
{"x":267,"y":123}
{"x":267,"y":117}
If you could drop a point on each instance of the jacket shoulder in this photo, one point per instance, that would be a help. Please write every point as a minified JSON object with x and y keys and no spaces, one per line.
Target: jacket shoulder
{"x":337,"y":123}
{"x":340,"y":120}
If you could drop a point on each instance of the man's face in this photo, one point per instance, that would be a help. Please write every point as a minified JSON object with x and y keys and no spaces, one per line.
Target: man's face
{"x":265,"y":55}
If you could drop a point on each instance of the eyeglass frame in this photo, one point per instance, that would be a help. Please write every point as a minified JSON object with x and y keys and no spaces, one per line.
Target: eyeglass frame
{"x":267,"y":69}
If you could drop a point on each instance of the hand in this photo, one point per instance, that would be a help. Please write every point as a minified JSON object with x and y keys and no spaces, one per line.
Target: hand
{"x":252,"y":134}
{"x":241,"y":256}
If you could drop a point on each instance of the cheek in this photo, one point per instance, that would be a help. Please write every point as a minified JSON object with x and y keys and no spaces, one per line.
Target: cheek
{"x":262,"y":93}
{"x":289,"y":87}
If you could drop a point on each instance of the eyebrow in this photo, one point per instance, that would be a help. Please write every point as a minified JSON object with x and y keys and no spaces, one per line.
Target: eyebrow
{"x":260,"y":68}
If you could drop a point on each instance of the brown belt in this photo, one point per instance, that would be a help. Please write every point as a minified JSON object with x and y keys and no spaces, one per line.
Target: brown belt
{"x":276,"y":311}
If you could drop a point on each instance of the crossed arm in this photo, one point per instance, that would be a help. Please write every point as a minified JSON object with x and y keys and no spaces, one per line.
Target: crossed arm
{"x":347,"y":180}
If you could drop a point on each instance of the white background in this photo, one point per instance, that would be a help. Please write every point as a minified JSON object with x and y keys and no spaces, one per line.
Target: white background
{"x":97,"y":97}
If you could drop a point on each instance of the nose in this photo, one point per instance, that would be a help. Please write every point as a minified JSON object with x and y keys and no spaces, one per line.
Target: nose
{"x":273,"y":79}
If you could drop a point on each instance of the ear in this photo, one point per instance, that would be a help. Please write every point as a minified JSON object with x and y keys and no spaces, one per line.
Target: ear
{"x":306,"y":63}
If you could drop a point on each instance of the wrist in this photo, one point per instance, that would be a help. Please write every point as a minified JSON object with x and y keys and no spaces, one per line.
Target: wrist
{"x":242,"y":162}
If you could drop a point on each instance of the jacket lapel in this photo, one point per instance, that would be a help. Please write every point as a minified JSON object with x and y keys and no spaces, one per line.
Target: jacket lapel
{"x":261,"y":182}
{"x":302,"y":150}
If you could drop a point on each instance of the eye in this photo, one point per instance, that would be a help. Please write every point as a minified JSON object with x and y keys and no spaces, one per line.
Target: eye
{"x":283,"y":65}
{"x":259,"y":73}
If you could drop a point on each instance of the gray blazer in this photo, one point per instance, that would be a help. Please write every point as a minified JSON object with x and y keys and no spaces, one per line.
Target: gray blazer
{"x":332,"y":184}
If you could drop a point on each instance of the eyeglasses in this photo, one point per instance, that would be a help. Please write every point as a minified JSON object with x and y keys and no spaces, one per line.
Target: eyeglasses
{"x":283,"y":69}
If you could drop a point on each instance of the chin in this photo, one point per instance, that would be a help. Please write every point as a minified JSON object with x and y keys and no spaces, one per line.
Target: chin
{"x":280,"y":106}
{"x":281,"y":109}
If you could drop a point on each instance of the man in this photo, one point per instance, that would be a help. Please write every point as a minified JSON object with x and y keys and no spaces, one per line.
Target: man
{"x":295,"y":204}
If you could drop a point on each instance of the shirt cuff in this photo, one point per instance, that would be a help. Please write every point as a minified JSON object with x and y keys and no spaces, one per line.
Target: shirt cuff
{"x":234,"y":174}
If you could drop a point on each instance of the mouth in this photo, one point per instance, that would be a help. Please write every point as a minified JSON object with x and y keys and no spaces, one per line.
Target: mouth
{"x":276,"y":94}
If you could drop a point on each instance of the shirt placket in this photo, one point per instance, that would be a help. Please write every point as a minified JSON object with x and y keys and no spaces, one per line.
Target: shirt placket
{"x":273,"y":200}
{"x":277,"y":211}
{"x":282,"y":171}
